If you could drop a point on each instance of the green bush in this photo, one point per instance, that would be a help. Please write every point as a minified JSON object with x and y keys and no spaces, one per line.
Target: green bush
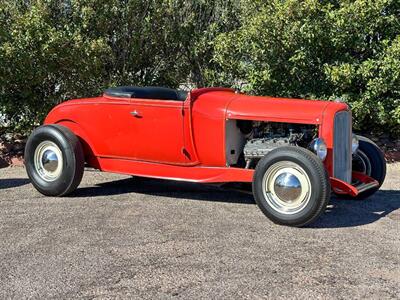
{"x":320,"y":49}
{"x":54,"y":50}
{"x":44,"y":59}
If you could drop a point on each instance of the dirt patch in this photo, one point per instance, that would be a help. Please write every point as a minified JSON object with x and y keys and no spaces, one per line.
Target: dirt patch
{"x":392,"y":156}
{"x":389,"y":145}
{"x":11,"y":161}
{"x":12,"y":150}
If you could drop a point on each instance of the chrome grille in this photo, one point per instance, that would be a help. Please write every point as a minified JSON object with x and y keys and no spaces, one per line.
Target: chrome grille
{"x":342,"y":132}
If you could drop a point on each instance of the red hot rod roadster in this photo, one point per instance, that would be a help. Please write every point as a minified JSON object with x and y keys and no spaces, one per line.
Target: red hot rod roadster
{"x":293,"y":152}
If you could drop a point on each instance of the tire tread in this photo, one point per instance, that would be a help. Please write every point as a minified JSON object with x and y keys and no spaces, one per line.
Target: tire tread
{"x":71,"y":144}
{"x":316,"y":164}
{"x":79,"y":158}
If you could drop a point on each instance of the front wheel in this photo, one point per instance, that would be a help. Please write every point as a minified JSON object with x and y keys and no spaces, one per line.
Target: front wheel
{"x":291,"y":186}
{"x":54,"y":160}
{"x":370,"y":161}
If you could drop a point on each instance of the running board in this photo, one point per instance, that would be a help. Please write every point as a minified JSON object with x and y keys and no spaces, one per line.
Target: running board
{"x":175,"y":172}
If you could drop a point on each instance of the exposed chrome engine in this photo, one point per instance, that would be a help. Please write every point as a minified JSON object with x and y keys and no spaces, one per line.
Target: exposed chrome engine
{"x":262,"y":137}
{"x":257,"y":148}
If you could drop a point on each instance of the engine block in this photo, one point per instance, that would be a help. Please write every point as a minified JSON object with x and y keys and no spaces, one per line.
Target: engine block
{"x":257,"y":148}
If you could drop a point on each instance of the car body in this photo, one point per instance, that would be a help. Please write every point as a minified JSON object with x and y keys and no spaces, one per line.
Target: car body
{"x":208,"y":135}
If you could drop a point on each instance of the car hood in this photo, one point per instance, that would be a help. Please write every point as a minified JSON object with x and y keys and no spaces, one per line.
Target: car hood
{"x":280,"y":109}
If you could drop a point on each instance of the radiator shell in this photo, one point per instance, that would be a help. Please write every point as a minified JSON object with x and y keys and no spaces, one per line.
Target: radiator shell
{"x":342,"y":138}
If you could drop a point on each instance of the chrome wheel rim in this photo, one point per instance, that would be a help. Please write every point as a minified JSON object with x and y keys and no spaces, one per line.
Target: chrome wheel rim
{"x":286,"y":187}
{"x":48,"y":161}
{"x":363,"y":164}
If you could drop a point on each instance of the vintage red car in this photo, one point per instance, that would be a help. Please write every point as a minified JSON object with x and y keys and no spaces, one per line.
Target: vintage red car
{"x":293,"y":152}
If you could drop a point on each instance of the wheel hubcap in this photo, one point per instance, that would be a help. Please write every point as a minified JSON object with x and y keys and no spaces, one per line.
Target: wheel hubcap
{"x":48,"y":161}
{"x":286,"y":187}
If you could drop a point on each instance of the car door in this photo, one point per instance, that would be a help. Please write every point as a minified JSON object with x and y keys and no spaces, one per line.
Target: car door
{"x":157,"y":130}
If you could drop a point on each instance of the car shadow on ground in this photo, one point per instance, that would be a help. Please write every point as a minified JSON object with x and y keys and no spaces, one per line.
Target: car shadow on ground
{"x":165,"y":188}
{"x":340,"y":212}
{"x":13,"y":182}
{"x":350,"y":213}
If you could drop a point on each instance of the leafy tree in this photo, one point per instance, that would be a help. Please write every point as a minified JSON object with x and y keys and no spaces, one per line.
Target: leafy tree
{"x":44,"y":59}
{"x":53,"y":50}
{"x":319,"y":49}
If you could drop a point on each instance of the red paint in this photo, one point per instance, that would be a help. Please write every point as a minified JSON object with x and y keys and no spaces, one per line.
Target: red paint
{"x":341,"y":187}
{"x":180,"y":140}
{"x":277,"y":109}
{"x":176,"y":172}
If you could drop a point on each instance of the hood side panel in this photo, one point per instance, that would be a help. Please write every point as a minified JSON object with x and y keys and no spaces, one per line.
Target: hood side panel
{"x":276,"y":109}
{"x":208,"y":126}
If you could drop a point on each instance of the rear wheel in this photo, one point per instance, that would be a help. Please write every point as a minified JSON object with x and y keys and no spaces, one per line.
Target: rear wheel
{"x":291,"y":186}
{"x":54,"y":160}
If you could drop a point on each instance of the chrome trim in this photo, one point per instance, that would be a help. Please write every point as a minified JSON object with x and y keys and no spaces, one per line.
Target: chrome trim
{"x":366,"y":186}
{"x":342,"y":146}
{"x":48,"y":161}
{"x":318,"y":146}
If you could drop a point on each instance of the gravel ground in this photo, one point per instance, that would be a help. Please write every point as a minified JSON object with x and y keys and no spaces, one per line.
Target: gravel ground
{"x":123,"y":237}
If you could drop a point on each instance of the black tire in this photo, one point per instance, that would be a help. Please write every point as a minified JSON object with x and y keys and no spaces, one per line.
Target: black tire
{"x":72,"y":166}
{"x":370,"y":151}
{"x":318,"y":180}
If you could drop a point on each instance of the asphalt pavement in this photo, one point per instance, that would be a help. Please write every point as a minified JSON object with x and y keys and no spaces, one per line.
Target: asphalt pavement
{"x":124,"y":237}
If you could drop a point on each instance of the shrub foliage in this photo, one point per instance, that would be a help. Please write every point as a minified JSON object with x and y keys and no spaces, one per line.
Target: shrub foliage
{"x":54,"y":50}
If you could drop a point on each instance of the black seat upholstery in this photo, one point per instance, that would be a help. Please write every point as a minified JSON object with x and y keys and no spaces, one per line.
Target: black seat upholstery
{"x":150,"y":92}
